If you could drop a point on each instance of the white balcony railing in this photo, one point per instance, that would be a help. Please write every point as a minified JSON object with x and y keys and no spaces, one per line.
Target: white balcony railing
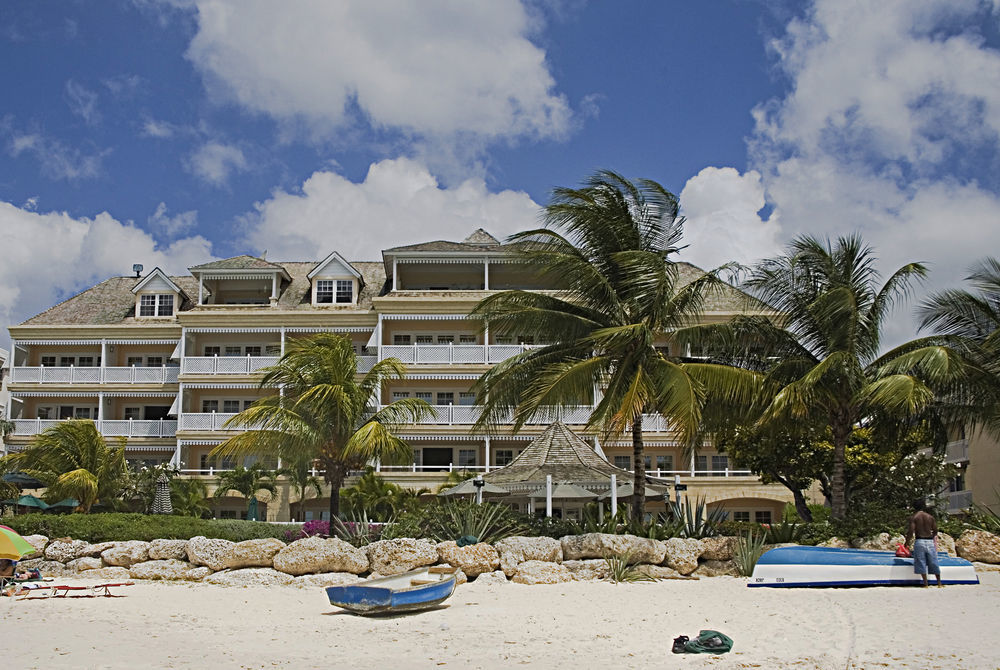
{"x":93,"y":375}
{"x":207,"y":421}
{"x":959,"y":500}
{"x":225,"y":365}
{"x":957,"y":451}
{"x":108,"y":427}
{"x":431,"y":354}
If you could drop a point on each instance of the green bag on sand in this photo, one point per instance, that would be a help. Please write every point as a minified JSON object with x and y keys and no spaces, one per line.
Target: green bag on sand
{"x":709,"y":642}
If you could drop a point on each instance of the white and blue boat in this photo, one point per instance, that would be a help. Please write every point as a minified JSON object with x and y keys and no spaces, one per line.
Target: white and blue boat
{"x":409,"y":592}
{"x":827,"y":566}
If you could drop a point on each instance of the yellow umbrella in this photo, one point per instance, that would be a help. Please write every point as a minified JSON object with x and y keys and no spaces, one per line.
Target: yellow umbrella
{"x":12,"y":545}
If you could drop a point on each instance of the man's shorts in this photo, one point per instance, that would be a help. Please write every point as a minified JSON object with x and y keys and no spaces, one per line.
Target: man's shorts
{"x":925,"y":558}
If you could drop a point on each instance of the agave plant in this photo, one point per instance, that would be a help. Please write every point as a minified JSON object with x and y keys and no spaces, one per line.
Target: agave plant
{"x":358,"y":530}
{"x":488,"y":522}
{"x":621,"y":568}
{"x":784,"y":532}
{"x":749,"y":548}
{"x":696,"y":520}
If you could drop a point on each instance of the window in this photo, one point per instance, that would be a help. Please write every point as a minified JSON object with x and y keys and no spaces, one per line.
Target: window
{"x":252,"y":351}
{"x":665,"y":462}
{"x":503,"y":339}
{"x":272,"y":350}
{"x":762,"y":516}
{"x":700,"y":466}
{"x":154,"y":361}
{"x":345,"y":291}
{"x":234,"y":351}
{"x":161,"y":304}
{"x":397,"y":395}
{"x":133,"y":361}
{"x":418,"y":457}
{"x":65,"y":411}
{"x":83,"y":413}
{"x":466,"y":458}
{"x":212,"y":351}
{"x":466,"y":398}
{"x":400,"y":339}
{"x":504,"y":456}
{"x":230,"y":406}
{"x":85,"y":361}
{"x":445,"y":339}
{"x":208,"y":406}
{"x":49,"y":361}
{"x":525,"y":339}
{"x":741,"y":516}
{"x":423,"y":395}
{"x":228,"y":514}
{"x":247,"y":403}
{"x":425,"y":339}
{"x":324,"y":290}
{"x":466,"y":339}
{"x":445,"y":398}
{"x":623,"y":462}
{"x":720,"y":463}
{"x":66,"y":361}
{"x":133,"y":412}
{"x":45,"y":412}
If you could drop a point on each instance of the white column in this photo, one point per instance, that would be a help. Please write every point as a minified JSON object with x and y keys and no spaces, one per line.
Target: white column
{"x":100,"y":409}
{"x":176,"y":460}
{"x":378,"y":326}
{"x":395,"y":274}
{"x":486,"y":274}
{"x":104,"y":356}
{"x":486,"y":441}
{"x":614,"y":495}
{"x":183,"y":343}
{"x":274,"y":289}
{"x":201,"y":288}
{"x":282,"y":340}
{"x":548,"y":496}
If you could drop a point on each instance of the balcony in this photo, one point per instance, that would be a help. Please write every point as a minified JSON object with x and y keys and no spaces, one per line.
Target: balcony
{"x":107,"y":428}
{"x":207,"y":422}
{"x":244,"y":365}
{"x":957,"y":451}
{"x":446,"y":354}
{"x":95,"y":375}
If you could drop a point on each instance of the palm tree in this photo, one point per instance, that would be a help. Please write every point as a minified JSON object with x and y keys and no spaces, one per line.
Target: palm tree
{"x":608,"y":245}
{"x":302,"y":480}
{"x":969,"y":323}
{"x":325,"y":414}
{"x":73,"y":460}
{"x":819,"y":366}
{"x":246,"y":481}
{"x":188,"y":497}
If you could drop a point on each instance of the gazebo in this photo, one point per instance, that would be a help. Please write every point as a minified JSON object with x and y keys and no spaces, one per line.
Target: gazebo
{"x":565,"y":457}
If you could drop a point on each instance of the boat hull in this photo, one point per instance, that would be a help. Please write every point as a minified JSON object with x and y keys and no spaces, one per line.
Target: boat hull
{"x":828,"y":566}
{"x":394,"y":594}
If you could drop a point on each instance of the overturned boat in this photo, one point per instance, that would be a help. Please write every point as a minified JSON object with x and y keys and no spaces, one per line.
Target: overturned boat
{"x":408,"y":592}
{"x":827,"y":566}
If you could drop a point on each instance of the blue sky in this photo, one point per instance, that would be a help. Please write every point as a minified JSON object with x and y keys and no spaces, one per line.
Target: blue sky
{"x":171,"y":132}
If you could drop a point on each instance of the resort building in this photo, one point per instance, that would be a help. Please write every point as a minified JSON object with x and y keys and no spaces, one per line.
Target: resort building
{"x":164,"y":361}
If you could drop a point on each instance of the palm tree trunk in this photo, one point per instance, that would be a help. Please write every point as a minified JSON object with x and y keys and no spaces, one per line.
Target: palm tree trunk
{"x":838,"y":483}
{"x":639,"y":467}
{"x":335,"y":475}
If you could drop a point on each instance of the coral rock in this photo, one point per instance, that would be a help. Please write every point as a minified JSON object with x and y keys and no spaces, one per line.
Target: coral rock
{"x":65,"y":551}
{"x":718,"y":548}
{"x":161,"y":549}
{"x":712,"y":568}
{"x":602,"y":545}
{"x":114,"y":574}
{"x":212,"y":553}
{"x":316,"y":554}
{"x":880,"y":542}
{"x":588,"y":569}
{"x":473,"y":560}
{"x":542,"y":572}
{"x":250,"y":577}
{"x":325,"y":579}
{"x":394,"y":557}
{"x":254,"y":553}
{"x":84,"y":563}
{"x":661,"y":572}
{"x":38,"y":542}
{"x":168,"y":568}
{"x":489,"y":578}
{"x":682,"y":554}
{"x":126,"y":554}
{"x":836,"y":543}
{"x":518,"y":549}
{"x":978,"y":545}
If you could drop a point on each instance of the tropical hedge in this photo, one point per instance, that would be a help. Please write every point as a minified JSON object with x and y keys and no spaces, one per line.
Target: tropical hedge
{"x":117,"y":527}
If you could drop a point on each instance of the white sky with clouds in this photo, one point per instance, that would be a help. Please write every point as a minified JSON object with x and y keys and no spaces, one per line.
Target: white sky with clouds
{"x":883,"y":100}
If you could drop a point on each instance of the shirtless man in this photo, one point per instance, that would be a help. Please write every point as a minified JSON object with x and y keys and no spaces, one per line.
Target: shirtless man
{"x":923,"y":528}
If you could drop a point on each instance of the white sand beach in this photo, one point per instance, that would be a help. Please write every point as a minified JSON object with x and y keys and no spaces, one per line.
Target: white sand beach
{"x":575,"y":625}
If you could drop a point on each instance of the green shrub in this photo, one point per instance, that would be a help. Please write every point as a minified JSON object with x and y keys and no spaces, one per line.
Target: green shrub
{"x":696,"y":520}
{"x":622,"y":569}
{"x":784,"y":532}
{"x":443,"y":521}
{"x":541,"y":526}
{"x":114,"y":527}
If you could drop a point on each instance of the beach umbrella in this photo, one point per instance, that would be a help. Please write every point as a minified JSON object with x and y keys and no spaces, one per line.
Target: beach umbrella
{"x":467,"y":488}
{"x":161,"y":501}
{"x":28,"y":500}
{"x":12,"y":545}
{"x":252,"y":510}
{"x":22,"y":481}
{"x":69,"y":503}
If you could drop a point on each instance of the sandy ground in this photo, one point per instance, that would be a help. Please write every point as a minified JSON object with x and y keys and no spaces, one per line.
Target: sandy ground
{"x":576,"y":625}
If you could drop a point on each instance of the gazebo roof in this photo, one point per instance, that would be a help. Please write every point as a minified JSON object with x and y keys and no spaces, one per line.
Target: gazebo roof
{"x":558,"y":452}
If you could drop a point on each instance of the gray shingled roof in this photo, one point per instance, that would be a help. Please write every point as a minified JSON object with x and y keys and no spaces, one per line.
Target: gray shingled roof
{"x":478,"y":241}
{"x":244,"y":262}
{"x":558,"y":452}
{"x":481,"y":237}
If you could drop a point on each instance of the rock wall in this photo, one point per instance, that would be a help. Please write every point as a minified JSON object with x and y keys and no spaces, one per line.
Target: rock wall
{"x":315,"y":561}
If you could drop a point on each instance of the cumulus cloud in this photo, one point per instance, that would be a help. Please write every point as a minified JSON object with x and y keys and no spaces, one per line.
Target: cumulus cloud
{"x":399,"y":202}
{"x":215,"y":162}
{"x":172,"y":226}
{"x":158,"y":129}
{"x":723,"y":224}
{"x":50,"y":256}
{"x":890,"y":127}
{"x":431,"y":69}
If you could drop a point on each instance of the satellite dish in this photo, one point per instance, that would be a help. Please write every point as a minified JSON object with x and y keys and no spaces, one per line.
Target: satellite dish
{"x":137,"y":269}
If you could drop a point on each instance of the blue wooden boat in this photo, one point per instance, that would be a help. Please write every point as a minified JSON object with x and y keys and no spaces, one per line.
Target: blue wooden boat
{"x":408,"y":592}
{"x":827,"y":566}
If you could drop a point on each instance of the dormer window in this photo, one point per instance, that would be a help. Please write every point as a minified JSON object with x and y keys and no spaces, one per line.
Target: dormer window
{"x":345,"y":291}
{"x":335,"y":281}
{"x":158,"y":304}
{"x":324,"y":291}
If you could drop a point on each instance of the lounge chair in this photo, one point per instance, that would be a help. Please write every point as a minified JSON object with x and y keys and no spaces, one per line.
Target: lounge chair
{"x":46,"y":591}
